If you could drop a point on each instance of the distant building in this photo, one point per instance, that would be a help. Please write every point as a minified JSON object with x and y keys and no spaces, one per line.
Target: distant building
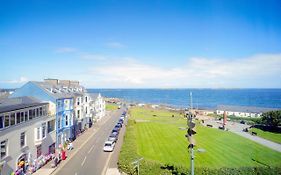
{"x":27,"y":131}
{"x":242,"y":111}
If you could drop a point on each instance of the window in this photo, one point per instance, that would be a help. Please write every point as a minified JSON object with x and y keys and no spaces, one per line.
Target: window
{"x":22,"y":139}
{"x":37,"y":112}
{"x":3,"y":147}
{"x":40,"y":111}
{"x":30,"y":114}
{"x":21,"y":116}
{"x":51,"y":126}
{"x":12,"y":119}
{"x":38,"y":133}
{"x":78,"y":113}
{"x":43,"y":130}
{"x":39,"y":151}
{"x":26,"y":115}
{"x":66,"y":120}
{"x":59,"y":123}
{"x":44,"y":110}
{"x":86,"y":110}
{"x":1,"y":122}
{"x":18,"y":117}
{"x":86,"y":99}
{"x":7,"y":121}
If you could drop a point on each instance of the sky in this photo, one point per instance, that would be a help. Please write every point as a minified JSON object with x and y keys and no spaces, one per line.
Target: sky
{"x":142,"y":43}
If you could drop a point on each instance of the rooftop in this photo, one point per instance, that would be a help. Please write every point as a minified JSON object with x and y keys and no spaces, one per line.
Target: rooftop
{"x":11,"y":104}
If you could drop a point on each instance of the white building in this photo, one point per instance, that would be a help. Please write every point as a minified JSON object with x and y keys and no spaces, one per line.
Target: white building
{"x":242,"y":111}
{"x":97,"y":106}
{"x":27,"y":133}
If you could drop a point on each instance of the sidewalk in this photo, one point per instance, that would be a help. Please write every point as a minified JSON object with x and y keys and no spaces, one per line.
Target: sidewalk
{"x":77,"y":144}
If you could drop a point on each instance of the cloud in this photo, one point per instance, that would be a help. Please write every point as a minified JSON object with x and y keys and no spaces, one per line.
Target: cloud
{"x":115,"y":45}
{"x":95,"y":57}
{"x":20,"y":80}
{"x":262,"y":70}
{"x":66,"y":50}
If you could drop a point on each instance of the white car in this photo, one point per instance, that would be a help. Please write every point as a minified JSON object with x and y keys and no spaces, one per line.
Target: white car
{"x":109,"y":146}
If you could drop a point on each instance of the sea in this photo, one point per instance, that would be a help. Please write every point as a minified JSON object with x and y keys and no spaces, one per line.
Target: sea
{"x":202,"y":98}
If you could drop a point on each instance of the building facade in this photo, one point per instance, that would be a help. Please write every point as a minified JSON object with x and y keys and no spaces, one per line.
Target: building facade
{"x":60,"y":101}
{"x":27,"y":132}
{"x":97,"y":106}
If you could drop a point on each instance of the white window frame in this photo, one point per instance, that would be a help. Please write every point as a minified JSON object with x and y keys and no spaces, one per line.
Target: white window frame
{"x":23,"y":139}
{"x":6,"y":149}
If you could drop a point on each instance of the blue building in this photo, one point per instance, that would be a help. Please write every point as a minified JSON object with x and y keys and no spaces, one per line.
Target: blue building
{"x":60,"y":99}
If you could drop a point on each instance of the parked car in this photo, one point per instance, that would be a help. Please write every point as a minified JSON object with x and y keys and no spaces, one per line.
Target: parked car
{"x":112,"y":138}
{"x":121,"y":120}
{"x":119,"y":124}
{"x":114,"y":135}
{"x":109,"y":146}
{"x":115,"y":129}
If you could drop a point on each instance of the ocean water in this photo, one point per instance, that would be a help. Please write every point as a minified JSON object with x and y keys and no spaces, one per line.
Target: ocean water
{"x":202,"y":98}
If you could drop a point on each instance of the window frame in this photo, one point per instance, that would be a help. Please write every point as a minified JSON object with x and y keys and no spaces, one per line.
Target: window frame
{"x":22,"y":139}
{"x":6,"y":149}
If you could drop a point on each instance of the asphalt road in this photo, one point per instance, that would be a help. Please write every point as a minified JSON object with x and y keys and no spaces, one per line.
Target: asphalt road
{"x":237,"y":129}
{"x":90,"y":159}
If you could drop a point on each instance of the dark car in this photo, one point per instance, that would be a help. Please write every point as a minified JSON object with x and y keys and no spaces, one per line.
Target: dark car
{"x":242,"y":122}
{"x":115,"y":130}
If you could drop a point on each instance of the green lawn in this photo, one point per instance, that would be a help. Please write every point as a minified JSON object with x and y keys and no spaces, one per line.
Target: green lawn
{"x":156,"y":136}
{"x":111,"y":107}
{"x":275,"y":137}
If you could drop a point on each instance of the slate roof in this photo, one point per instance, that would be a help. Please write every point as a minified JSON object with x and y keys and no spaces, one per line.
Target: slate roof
{"x":11,"y":104}
{"x":57,"y":91}
{"x":246,"y":109}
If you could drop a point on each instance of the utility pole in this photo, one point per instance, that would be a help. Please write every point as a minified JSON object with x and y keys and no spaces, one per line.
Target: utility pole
{"x":190,"y":132}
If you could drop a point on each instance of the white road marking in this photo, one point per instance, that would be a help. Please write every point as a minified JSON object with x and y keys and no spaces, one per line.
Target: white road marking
{"x":106,"y":164}
{"x":91,"y":149}
{"x":76,"y":173}
{"x":84,"y":161}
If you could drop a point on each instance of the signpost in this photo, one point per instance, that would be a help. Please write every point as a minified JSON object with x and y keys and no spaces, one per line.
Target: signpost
{"x":137,"y":165}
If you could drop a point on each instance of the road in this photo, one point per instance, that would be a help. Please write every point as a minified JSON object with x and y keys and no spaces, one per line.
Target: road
{"x":237,"y":129}
{"x":90,"y":159}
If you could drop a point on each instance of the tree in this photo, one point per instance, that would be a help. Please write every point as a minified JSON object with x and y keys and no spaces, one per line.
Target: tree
{"x":272,"y":118}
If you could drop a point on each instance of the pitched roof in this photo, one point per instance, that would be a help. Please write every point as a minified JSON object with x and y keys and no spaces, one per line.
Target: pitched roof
{"x":248,"y":109}
{"x":57,"y":91}
{"x":94,"y":96}
{"x":11,"y":104}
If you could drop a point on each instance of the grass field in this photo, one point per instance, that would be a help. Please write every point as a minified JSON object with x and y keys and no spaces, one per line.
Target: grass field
{"x":275,"y":137}
{"x":111,"y":107}
{"x":157,"y":138}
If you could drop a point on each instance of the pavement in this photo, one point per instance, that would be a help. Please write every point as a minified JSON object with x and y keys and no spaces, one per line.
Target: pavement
{"x":237,"y":128}
{"x":88,"y":157}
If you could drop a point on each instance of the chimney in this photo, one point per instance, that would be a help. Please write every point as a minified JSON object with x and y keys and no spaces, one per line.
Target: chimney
{"x":52,"y":81}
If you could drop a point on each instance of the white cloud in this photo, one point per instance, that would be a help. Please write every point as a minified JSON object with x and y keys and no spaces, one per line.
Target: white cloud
{"x":255,"y":71}
{"x":95,"y":57}
{"x":115,"y":45}
{"x":20,"y":80}
{"x":66,"y":50}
